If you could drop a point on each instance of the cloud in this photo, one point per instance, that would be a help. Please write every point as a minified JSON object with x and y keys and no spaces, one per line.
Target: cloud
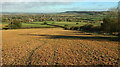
{"x":33,"y":4}
{"x":53,"y":6}
{"x":59,"y":0}
{"x":40,"y":0}
{"x":30,"y":6}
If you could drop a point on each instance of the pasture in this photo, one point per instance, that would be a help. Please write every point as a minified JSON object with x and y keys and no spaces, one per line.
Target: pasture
{"x":42,"y":25}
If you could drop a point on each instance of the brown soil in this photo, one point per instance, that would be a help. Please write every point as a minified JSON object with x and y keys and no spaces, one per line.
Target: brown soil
{"x":48,"y":46}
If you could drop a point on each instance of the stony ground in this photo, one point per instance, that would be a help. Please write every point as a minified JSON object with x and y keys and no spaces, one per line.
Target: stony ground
{"x":48,"y":46}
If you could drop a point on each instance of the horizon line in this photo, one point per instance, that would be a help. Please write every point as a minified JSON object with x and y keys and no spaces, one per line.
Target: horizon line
{"x":59,"y":12}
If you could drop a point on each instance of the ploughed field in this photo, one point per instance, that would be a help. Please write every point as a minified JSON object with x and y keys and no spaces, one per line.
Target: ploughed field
{"x":49,"y":46}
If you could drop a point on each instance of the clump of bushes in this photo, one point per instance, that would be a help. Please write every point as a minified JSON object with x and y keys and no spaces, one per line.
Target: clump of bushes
{"x":91,"y":28}
{"x":65,"y":25}
{"x":86,"y":27}
{"x":97,"y":28}
{"x":15,"y":25}
{"x":71,"y":28}
{"x":75,"y":28}
{"x":67,"y":28}
{"x":111,"y":22}
{"x":45,"y":22}
{"x":77,"y":23}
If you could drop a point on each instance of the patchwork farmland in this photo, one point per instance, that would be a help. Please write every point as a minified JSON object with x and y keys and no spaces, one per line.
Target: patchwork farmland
{"x":64,"y":38}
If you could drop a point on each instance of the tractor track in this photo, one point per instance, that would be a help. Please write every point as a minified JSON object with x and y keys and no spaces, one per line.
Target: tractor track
{"x":28,"y":62}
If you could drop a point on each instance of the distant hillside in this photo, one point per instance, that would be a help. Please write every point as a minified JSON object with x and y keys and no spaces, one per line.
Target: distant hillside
{"x":87,"y":12}
{"x":67,"y":12}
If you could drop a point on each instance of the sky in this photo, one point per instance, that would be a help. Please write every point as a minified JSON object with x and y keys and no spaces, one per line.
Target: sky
{"x":59,"y":0}
{"x":56,"y":7}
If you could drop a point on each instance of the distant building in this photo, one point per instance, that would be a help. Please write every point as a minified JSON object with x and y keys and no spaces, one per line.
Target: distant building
{"x":30,"y":20}
{"x":80,"y":21}
{"x":20,"y":20}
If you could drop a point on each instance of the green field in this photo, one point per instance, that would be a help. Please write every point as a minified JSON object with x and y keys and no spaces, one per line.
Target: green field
{"x":51,"y":24}
{"x":5,"y":23}
{"x":70,"y":24}
{"x":24,"y":25}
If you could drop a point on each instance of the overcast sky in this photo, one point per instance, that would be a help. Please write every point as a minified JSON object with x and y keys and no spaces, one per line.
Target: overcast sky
{"x":61,"y":6}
